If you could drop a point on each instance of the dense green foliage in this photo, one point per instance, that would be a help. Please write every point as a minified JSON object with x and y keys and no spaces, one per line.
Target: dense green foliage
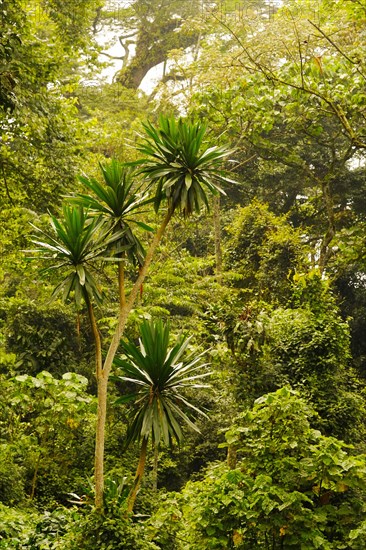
{"x":291,"y":487}
{"x":223,"y":211}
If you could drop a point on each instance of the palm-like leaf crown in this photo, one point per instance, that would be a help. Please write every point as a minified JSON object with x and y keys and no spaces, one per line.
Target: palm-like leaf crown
{"x":72,"y":245}
{"x":161,"y":375}
{"x":117,"y":201}
{"x":181,"y":165}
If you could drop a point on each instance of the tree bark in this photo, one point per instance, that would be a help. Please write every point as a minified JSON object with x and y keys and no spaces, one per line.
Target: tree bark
{"x":35,"y":475}
{"x":99,"y":441}
{"x":231,"y":457}
{"x":102,"y":408}
{"x":138,"y":477}
{"x":155,"y":467}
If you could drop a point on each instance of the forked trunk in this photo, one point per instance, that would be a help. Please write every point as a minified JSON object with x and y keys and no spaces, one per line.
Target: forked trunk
{"x":104,"y":372}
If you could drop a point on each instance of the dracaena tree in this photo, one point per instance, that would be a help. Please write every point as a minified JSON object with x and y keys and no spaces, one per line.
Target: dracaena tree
{"x":161,"y":374}
{"x":177,"y":167}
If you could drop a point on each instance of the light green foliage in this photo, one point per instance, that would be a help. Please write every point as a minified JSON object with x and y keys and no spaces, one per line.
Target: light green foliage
{"x":74,"y":243}
{"x":291,"y":488}
{"x":289,"y":90}
{"x":106,"y":533}
{"x":50,"y":529}
{"x":15,"y":527}
{"x":120,"y":202}
{"x":41,"y":133}
{"x":112,"y":111}
{"x":156,"y":29}
{"x":17,"y":276}
{"x":46,"y":419}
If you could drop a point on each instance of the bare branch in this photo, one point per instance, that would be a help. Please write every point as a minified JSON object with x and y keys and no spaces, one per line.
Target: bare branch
{"x":120,"y":58}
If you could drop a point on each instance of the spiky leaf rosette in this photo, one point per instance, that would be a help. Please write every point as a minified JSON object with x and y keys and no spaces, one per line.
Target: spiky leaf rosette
{"x":182,"y":165}
{"x":72,"y":245}
{"x":161,"y":375}
{"x":118,"y":200}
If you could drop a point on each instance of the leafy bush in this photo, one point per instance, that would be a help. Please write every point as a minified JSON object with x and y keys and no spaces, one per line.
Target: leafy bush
{"x":15,"y":526}
{"x":291,"y":488}
{"x":263,"y":249}
{"x":51,"y":528}
{"x":42,"y":337}
{"x":111,"y":532}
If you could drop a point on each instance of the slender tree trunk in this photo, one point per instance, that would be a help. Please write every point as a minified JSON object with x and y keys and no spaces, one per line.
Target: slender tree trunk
{"x":217,"y":230}
{"x":35,"y":475}
{"x":121,"y":284}
{"x":329,"y":235}
{"x":99,"y":441}
{"x":104,"y":372}
{"x":102,"y":408}
{"x":138,"y":477}
{"x":231,"y":457}
{"x":155,"y":467}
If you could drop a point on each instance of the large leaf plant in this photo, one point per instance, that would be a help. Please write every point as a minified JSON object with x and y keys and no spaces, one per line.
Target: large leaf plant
{"x":160,"y":374}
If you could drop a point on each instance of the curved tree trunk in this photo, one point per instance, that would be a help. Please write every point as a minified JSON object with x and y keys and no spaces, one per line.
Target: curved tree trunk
{"x":138,"y":477}
{"x":154,"y":42}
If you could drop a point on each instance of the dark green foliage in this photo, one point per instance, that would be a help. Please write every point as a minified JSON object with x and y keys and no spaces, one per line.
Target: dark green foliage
{"x":160,"y":373}
{"x":44,"y":337}
{"x":12,"y":20}
{"x":12,"y":476}
{"x":307,"y":346}
{"x":350,"y":285}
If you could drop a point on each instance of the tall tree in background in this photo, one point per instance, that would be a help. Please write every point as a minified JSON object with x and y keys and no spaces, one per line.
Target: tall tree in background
{"x":150,"y":30}
{"x":289,"y":90}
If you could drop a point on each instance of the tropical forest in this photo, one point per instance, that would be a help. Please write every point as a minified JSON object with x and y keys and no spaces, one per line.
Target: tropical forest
{"x":183,"y":274}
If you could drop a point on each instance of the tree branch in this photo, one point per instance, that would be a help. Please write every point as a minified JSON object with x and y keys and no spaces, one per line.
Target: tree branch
{"x":338,"y":48}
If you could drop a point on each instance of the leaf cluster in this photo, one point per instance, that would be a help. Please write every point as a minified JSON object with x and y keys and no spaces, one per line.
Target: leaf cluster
{"x":161,"y":375}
